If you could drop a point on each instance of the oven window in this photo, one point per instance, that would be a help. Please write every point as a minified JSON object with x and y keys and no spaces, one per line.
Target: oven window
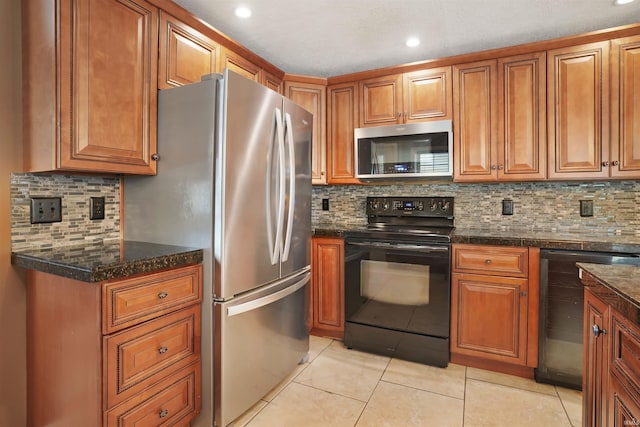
{"x":379,"y":282}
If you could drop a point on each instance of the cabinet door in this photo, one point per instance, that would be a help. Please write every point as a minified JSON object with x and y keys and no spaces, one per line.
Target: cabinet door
{"x":577,"y":108}
{"x":427,"y":95}
{"x":342,"y":117}
{"x":272,"y":82}
{"x":381,"y":101}
{"x":625,"y":107}
{"x":623,"y":408}
{"x":108,"y":79}
{"x":240,"y":65}
{"x":474,"y":106}
{"x":595,"y":363}
{"x":489,"y":317}
{"x":522,"y":117}
{"x":328,"y":286}
{"x":312,"y":97}
{"x":185,"y":54}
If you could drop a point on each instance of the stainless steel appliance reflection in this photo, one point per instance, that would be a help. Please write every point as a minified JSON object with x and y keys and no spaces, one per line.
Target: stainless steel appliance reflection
{"x":397,"y":279}
{"x":234,"y":178}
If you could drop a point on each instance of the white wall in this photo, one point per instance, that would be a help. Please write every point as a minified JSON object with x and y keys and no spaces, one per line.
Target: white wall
{"x":13,"y":376}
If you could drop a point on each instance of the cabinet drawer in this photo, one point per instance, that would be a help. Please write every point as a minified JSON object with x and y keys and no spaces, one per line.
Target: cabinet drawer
{"x":172,"y":402}
{"x":491,"y":260}
{"x":625,"y":350}
{"x":129,"y":302}
{"x":142,"y":355}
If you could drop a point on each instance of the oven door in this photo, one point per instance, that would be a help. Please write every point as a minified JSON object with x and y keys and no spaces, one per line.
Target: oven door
{"x":396,"y":294}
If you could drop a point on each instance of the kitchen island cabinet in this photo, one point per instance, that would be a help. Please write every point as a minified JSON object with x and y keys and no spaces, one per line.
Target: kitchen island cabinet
{"x":611,"y":382}
{"x":90,"y":79}
{"x":494,"y":308}
{"x":113,"y":335}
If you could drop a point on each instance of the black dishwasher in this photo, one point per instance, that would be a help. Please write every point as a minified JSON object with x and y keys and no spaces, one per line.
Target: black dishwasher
{"x":561,"y":313}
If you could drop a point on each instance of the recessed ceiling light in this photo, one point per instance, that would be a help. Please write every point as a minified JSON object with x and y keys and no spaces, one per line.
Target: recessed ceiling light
{"x":243,"y":12}
{"x":621,"y":2}
{"x":412,"y":42}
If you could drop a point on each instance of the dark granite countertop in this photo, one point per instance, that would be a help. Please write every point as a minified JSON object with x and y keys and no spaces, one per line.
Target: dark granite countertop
{"x":95,"y":262}
{"x":570,"y":240}
{"x":617,"y":285}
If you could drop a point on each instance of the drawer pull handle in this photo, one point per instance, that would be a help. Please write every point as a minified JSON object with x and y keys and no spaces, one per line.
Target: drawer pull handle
{"x":163,"y":413}
{"x":597,"y":331}
{"x":163,"y":295}
{"x":163,"y":350}
{"x":487,"y":261}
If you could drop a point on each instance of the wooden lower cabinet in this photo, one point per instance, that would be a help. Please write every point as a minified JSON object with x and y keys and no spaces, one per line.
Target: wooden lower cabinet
{"x":327,"y":287}
{"x":611,"y":362}
{"x":596,"y":314}
{"x":494,"y":305}
{"x":85,"y":369}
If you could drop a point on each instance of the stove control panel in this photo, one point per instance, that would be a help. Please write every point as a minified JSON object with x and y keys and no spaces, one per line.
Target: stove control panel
{"x":410,"y":206}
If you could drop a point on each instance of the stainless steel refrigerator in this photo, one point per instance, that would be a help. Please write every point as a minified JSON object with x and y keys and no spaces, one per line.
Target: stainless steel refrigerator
{"x":234,"y":178}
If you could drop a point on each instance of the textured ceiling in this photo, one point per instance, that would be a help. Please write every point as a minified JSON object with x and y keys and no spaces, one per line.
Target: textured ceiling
{"x":328,"y":38}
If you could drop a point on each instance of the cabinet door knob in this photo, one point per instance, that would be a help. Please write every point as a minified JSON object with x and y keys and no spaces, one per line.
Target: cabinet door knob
{"x":605,"y":163}
{"x":155,"y":156}
{"x":162,"y":295}
{"x":615,"y":163}
{"x":163,"y":350}
{"x":500,"y":167}
{"x":487,"y":261}
{"x":163,"y":413}
{"x":493,"y":167}
{"x":597,"y":331}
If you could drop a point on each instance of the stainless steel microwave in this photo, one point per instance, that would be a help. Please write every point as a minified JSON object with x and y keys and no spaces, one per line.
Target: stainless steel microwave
{"x":416,"y":150}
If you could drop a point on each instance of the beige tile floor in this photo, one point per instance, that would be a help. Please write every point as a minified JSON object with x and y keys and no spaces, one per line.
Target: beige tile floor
{"x":341,"y":387}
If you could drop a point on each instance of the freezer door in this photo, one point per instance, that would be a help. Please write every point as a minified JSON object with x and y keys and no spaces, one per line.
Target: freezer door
{"x":260,"y":338}
{"x":296,"y":235}
{"x":248,"y":201}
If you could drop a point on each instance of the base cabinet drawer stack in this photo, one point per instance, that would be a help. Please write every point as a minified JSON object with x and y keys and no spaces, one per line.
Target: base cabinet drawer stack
{"x":494,"y":307}
{"x":116,"y":353}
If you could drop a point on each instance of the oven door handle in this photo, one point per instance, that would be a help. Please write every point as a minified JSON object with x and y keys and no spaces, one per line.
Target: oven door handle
{"x":401,"y":246}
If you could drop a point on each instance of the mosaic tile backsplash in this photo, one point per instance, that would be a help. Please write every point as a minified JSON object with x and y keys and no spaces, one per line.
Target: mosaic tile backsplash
{"x":544,"y":206}
{"x":76,"y":227}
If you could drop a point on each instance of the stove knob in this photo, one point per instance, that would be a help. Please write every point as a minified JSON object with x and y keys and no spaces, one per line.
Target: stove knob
{"x":374,"y":205}
{"x":420,"y":206}
{"x":385,"y":205}
{"x":434,"y":205}
{"x":445,"y":206}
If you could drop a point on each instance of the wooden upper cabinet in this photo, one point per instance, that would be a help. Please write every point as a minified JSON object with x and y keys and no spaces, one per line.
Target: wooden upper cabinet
{"x":577,"y":108}
{"x":474,"y":107}
{"x":342,"y":116}
{"x":90,"y":83}
{"x":313,"y":98}
{"x":625,"y":107}
{"x":185,"y":54}
{"x":272,"y":82}
{"x":522,"y":117}
{"x":242,"y":66}
{"x":406,"y":98}
{"x":427,"y":95}
{"x":380,"y":100}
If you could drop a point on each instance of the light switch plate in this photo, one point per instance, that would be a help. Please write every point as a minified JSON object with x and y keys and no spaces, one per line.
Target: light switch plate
{"x":586,"y":207}
{"x":46,"y":209}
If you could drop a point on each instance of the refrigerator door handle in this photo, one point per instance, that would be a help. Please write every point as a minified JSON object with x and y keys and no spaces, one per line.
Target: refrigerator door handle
{"x":269,"y":299}
{"x":276,"y":131}
{"x":292,"y":186}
